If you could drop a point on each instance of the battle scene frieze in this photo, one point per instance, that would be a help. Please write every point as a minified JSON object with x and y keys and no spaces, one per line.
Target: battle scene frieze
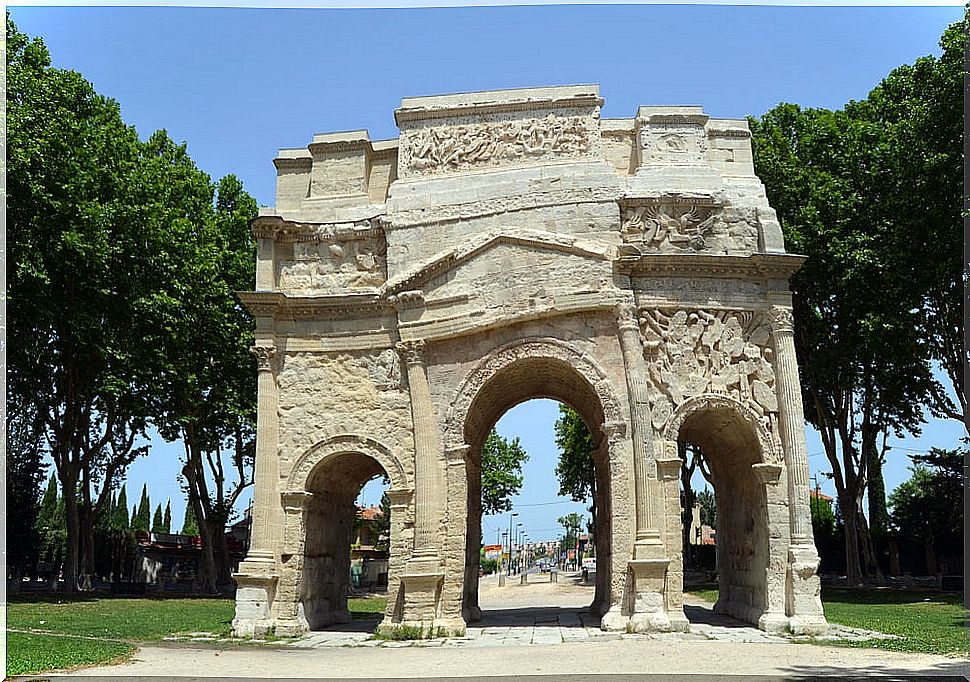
{"x":473,"y":145}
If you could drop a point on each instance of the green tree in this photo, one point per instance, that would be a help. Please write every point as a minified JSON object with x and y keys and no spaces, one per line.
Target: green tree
{"x":571,"y":524}
{"x":574,"y":469}
{"x":25,"y":477}
{"x":167,"y":519}
{"x":207,"y":397}
{"x":928,"y":507}
{"x":189,"y":525}
{"x":157,"y":522}
{"x":382,"y":526}
{"x":865,"y":370}
{"x":141,"y":520}
{"x":708,"y":507}
{"x":502,"y":462}
{"x":51,"y":527}
{"x":121,"y":510}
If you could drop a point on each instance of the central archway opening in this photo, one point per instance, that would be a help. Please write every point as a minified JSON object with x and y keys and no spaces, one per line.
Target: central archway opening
{"x":732,"y":531}
{"x":523,"y":544}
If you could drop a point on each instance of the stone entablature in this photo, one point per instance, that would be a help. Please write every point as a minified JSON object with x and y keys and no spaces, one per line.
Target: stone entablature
{"x":512,"y":245}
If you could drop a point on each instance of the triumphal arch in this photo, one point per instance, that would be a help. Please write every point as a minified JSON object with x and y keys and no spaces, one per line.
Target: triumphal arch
{"x":511,"y":245}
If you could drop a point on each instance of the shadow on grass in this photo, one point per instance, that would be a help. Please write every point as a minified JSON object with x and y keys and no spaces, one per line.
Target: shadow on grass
{"x":888,"y":595}
{"x":80,"y":597}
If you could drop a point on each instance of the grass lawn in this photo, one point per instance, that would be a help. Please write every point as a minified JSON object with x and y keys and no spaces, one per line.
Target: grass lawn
{"x":49,"y":632}
{"x":366,"y":608}
{"x":926,"y":622}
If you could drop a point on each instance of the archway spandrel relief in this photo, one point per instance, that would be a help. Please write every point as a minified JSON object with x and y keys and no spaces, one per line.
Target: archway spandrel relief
{"x":325,"y":395}
{"x":709,"y":359}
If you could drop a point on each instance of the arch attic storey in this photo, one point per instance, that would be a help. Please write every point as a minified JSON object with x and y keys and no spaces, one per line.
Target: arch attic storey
{"x":510,"y":245}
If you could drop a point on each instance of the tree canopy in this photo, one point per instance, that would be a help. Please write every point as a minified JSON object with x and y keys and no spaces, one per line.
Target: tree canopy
{"x":502,"y":462}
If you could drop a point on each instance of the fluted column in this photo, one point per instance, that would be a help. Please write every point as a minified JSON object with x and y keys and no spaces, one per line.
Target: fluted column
{"x":791,"y":424}
{"x":427,"y":474}
{"x":648,"y":530}
{"x":262,"y":543}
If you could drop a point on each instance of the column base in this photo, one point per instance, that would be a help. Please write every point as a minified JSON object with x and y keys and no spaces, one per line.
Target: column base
{"x":808,"y":625}
{"x":254,"y":603}
{"x":614,"y":620}
{"x":773,"y":622}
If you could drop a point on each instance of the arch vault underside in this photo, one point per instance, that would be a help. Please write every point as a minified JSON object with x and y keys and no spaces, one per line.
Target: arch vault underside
{"x":506,"y":246}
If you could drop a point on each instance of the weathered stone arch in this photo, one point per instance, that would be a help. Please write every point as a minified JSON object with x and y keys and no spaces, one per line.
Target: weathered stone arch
{"x":768,"y":452}
{"x":533,"y":347}
{"x":347,"y":443}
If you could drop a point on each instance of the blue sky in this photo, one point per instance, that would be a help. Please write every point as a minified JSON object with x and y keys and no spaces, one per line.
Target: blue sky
{"x":237,"y":84}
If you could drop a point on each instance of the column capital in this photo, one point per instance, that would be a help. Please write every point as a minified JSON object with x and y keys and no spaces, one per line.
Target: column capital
{"x":782,"y":320}
{"x":767,"y":473}
{"x":668,"y":469}
{"x":411,"y":351}
{"x":614,"y":431}
{"x":626,"y":313}
{"x":264,"y":357}
{"x":294,"y":500}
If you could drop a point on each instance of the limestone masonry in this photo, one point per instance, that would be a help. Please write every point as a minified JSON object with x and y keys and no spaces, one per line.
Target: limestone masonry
{"x":512,"y":245}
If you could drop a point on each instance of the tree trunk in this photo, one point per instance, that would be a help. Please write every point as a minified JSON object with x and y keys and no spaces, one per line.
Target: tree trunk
{"x":878,"y":525}
{"x":929,"y":549}
{"x":71,"y":553}
{"x":220,"y":551}
{"x":850,"y":514}
{"x":869,"y":551}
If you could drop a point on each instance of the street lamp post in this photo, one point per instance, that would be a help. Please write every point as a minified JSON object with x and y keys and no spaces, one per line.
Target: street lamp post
{"x":513,"y":515}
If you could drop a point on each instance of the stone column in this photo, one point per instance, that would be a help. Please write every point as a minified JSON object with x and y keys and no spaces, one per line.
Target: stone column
{"x":257,"y":577}
{"x":648,"y":542}
{"x":265,"y":534}
{"x":803,"y":558}
{"x":427,"y":474}
{"x":423,"y":578}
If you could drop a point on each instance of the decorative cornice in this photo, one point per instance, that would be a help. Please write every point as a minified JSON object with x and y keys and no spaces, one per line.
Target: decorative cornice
{"x":410,"y":114}
{"x":758,"y":265}
{"x":278,"y":305}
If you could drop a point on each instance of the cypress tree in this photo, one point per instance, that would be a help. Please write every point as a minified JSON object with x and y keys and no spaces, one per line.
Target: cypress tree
{"x":167,"y":520}
{"x":121,"y":511}
{"x":157,"y":520}
{"x":190,"y":526}
{"x":143,"y":518}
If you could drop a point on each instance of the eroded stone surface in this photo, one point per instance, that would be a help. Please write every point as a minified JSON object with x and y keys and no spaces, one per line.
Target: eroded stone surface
{"x":512,"y":245}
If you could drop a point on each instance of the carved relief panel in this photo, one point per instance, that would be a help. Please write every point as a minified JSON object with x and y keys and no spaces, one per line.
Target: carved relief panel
{"x":696,"y":352}
{"x":687,"y":226}
{"x":478,"y":144}
{"x":331,"y":260}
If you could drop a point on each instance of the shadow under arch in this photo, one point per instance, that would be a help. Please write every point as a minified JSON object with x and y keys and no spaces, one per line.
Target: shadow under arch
{"x":735,"y":443}
{"x":333,"y":472}
{"x":512,"y":374}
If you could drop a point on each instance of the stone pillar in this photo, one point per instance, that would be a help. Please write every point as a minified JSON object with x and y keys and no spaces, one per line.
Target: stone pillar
{"x":648,"y":544}
{"x":773,"y":619}
{"x":668,"y":471}
{"x":290,"y":618}
{"x":400,"y":544}
{"x":803,"y":585}
{"x":423,"y":578}
{"x":257,"y":577}
{"x":264,"y":535}
{"x":427,"y":474}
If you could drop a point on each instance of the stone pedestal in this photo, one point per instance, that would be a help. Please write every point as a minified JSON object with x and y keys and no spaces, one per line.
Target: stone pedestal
{"x":254,"y":601}
{"x":422,"y":597}
{"x":804,"y":592}
{"x":649,"y":607}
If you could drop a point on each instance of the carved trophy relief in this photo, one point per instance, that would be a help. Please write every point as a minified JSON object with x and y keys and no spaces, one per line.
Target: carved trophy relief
{"x":674,"y":145}
{"x":333,"y":264}
{"x":682,"y":227}
{"x":696,"y":352}
{"x":456,"y":148}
